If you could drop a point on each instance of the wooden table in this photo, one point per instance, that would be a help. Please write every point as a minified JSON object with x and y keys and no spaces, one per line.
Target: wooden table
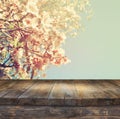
{"x":38,"y":99}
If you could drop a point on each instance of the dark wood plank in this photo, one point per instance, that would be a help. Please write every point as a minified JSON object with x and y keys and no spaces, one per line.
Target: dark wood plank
{"x":117,"y":81}
{"x":46,"y":112}
{"x":63,"y":93}
{"x":2,"y":82}
{"x":37,"y":94}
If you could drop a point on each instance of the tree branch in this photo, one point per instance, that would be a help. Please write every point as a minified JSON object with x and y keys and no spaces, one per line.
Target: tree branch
{"x":32,"y":74}
{"x":6,"y":66}
{"x":7,"y":60}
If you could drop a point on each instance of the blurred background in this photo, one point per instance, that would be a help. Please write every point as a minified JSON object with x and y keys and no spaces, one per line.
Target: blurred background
{"x":94,"y":53}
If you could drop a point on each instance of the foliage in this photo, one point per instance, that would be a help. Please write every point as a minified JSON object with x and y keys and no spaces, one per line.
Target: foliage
{"x":32,"y":33}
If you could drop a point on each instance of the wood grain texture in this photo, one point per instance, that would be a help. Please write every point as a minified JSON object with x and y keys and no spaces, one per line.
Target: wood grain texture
{"x":37,"y":94}
{"x":18,"y":88}
{"x":11,"y":94}
{"x":95,"y":93}
{"x":63,"y":93}
{"x":60,"y":93}
{"x":3,"y":82}
{"x":4,"y":88}
{"x":47,"y":112}
{"x":60,"y":99}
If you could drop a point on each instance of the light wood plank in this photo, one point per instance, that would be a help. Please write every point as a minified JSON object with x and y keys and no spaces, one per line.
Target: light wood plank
{"x":87,"y":91}
{"x":93,"y":89}
{"x":63,"y":93}
{"x":37,"y":94}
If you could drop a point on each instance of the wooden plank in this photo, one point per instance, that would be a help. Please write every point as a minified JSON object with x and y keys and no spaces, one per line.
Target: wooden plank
{"x":105,"y":87}
{"x":95,"y":93}
{"x":111,"y":88}
{"x":19,"y":88}
{"x":115,"y":82}
{"x":37,"y":94}
{"x":16,"y":90}
{"x":63,"y":93}
{"x":46,"y":112}
{"x":2,"y":82}
{"x":87,"y":90}
{"x":5,"y":87}
{"x":110,"y":93}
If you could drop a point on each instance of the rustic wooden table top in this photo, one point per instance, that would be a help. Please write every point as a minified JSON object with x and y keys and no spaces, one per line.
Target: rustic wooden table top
{"x":60,"y":93}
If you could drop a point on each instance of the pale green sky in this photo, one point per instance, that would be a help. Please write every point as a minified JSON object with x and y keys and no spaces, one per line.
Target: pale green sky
{"x":94,"y":53}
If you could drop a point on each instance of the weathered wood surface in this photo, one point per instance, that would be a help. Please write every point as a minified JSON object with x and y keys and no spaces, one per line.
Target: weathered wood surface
{"x":60,"y":93}
{"x":37,"y":94}
{"x":63,"y":93}
{"x":46,"y":112}
{"x":60,"y":99}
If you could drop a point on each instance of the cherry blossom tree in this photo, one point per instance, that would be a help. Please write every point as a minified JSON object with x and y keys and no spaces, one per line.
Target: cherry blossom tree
{"x":32,"y":33}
